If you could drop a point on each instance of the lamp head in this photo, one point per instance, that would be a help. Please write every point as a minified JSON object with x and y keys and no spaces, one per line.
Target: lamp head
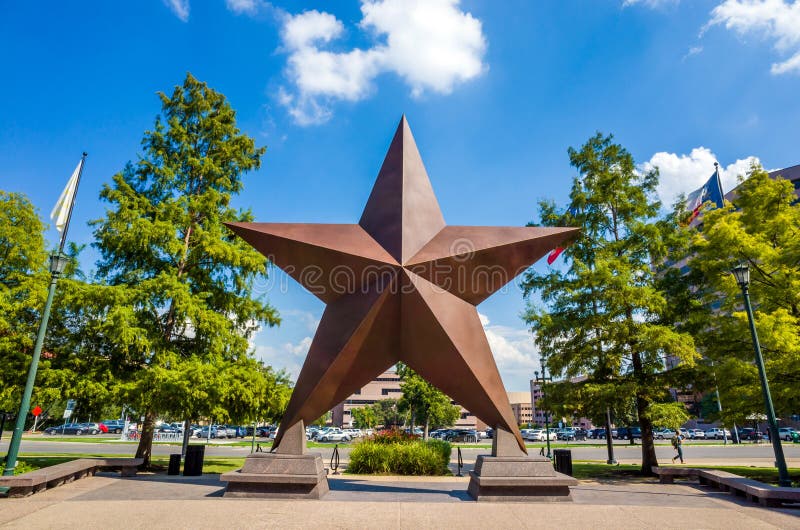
{"x":58,"y":262}
{"x":742,"y":274}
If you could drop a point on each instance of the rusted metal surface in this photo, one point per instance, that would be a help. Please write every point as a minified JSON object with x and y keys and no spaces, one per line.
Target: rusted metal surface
{"x":401,"y":286}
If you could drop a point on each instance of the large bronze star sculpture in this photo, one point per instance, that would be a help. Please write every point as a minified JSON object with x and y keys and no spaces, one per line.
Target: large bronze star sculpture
{"x":401,"y":286}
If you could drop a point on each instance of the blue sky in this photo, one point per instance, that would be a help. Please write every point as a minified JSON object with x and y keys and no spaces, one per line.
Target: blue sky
{"x":495,"y":93}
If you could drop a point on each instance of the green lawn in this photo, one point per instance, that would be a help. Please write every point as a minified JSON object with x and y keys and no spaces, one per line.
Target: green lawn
{"x":33,"y":461}
{"x":593,"y":470}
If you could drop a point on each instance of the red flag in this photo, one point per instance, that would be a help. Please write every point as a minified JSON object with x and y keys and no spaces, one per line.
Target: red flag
{"x":554,"y":255}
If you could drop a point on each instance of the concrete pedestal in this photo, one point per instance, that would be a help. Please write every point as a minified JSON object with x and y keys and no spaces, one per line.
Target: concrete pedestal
{"x":275,"y":475}
{"x":511,"y":475}
{"x":515,"y":478}
{"x":291,"y":472}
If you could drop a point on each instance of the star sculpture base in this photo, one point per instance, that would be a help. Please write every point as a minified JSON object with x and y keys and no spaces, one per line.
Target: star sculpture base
{"x":399,"y":286}
{"x":289,"y":473}
{"x":509,"y":475}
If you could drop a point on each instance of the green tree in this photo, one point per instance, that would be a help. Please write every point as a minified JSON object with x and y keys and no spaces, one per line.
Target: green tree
{"x":23,"y":289}
{"x":603,"y":315}
{"x":386,"y":413}
{"x":760,"y":228}
{"x":177,"y":305}
{"x":364,"y":417}
{"x":425,"y":404}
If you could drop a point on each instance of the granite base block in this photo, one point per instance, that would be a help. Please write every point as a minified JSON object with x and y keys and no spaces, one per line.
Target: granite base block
{"x":518,"y":479}
{"x":283,"y":476}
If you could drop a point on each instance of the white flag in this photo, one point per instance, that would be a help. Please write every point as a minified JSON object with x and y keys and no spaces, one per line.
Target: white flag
{"x":61,"y":210}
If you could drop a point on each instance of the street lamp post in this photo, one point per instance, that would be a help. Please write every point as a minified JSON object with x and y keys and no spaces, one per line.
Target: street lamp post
{"x":58,"y":262}
{"x":541,"y":380}
{"x":742,"y":274}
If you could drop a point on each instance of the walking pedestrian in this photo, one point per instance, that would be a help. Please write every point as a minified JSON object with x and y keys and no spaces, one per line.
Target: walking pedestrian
{"x":677,"y":443}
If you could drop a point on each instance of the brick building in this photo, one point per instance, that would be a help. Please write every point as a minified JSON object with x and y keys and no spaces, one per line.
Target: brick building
{"x":386,"y":386}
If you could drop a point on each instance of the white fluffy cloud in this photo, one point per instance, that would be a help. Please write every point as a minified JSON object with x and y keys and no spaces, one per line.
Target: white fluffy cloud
{"x":179,"y":7}
{"x":288,"y":356}
{"x":515,"y":353}
{"x":430,"y":44}
{"x":685,"y":173}
{"x":775,"y":20}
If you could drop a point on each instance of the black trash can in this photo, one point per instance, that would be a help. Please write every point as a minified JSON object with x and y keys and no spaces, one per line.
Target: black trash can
{"x":562,"y":461}
{"x":174,"y":464}
{"x":193,"y":465}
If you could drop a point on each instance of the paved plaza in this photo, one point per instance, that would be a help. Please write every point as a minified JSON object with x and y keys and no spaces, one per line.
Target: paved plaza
{"x":160,"y":501}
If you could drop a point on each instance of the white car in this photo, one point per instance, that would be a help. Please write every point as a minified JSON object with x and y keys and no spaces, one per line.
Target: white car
{"x":664,"y":434}
{"x":694,"y":434}
{"x":537,"y":435}
{"x":718,"y":434}
{"x":353,"y":433}
{"x":334,"y":435}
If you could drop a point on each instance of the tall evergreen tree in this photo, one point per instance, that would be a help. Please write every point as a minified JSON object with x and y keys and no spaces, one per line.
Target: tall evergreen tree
{"x":602,"y":316}
{"x":179,"y":302}
{"x":761,"y":228}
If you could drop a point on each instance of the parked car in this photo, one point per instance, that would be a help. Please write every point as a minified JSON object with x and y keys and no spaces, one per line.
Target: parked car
{"x":461,"y":435}
{"x":263,"y":431}
{"x":354,"y":433}
{"x":568,"y":434}
{"x":489,"y":433}
{"x":204,"y":432}
{"x":694,"y":434}
{"x":334,"y":435}
{"x":718,"y":433}
{"x":748,"y":433}
{"x":596,"y":434}
{"x":235,"y":431}
{"x":167,"y":428}
{"x":573,"y":433}
{"x":69,"y":428}
{"x":624,"y":433}
{"x":92,"y":428}
{"x":525,"y":433}
{"x":664,"y":434}
{"x":785,"y":433}
{"x":115,"y":426}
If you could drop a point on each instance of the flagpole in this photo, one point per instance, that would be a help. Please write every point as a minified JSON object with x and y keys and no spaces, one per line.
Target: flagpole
{"x":57,"y":264}
{"x":72,"y":204}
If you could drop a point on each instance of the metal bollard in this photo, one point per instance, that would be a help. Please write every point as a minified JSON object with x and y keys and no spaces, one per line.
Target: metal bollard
{"x":335,"y":459}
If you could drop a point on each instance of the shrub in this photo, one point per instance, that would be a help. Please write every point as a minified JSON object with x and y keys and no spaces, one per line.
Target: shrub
{"x":393,"y":436}
{"x":407,"y":457}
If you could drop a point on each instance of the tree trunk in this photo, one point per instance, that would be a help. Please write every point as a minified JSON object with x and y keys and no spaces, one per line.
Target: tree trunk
{"x":425,"y":432}
{"x":187,"y":433}
{"x":649,"y":459}
{"x":145,"y":448}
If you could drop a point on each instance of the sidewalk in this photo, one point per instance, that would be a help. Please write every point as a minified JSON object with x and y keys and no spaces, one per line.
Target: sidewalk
{"x":158,"y":501}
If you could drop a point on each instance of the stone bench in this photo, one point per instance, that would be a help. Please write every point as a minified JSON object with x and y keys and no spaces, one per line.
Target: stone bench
{"x":666,"y":475}
{"x":753,"y":490}
{"x":52,"y":476}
